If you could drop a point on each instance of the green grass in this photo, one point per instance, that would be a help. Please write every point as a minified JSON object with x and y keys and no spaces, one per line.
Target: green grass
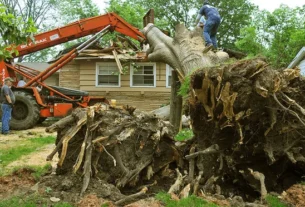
{"x":273,"y":201}
{"x":184,"y":135}
{"x":23,"y":148}
{"x":191,"y":201}
{"x":31,"y":201}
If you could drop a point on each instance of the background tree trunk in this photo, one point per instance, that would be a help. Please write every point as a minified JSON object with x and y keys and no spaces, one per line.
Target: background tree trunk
{"x":176,"y":103}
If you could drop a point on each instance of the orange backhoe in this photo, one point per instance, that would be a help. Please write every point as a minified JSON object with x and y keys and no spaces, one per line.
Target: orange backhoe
{"x":33,"y":106}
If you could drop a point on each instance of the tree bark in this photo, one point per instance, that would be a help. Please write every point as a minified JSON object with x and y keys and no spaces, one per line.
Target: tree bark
{"x":176,"y":103}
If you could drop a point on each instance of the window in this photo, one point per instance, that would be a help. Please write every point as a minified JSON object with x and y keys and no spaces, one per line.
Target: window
{"x":107,"y":74}
{"x":143,"y":75}
{"x":168,"y":76}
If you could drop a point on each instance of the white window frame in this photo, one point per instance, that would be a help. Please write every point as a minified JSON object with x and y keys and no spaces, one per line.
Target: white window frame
{"x":144,"y":64}
{"x":168,"y":73}
{"x":97,"y":74}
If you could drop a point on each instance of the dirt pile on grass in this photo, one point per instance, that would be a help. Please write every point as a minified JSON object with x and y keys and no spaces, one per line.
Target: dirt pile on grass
{"x":19,"y":181}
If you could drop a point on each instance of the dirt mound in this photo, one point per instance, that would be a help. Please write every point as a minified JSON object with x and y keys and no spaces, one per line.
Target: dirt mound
{"x":295,"y":195}
{"x":248,"y":120}
{"x":21,"y":180}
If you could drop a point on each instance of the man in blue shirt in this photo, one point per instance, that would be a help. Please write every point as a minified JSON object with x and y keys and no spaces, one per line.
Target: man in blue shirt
{"x":211,"y":25}
{"x":7,"y":99}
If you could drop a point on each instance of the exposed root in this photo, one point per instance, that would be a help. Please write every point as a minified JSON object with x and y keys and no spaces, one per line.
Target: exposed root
{"x":114,"y":161}
{"x":293,"y":103}
{"x":191,"y":165}
{"x":178,"y":183}
{"x":185,"y":191}
{"x":68,"y":136}
{"x":196,"y":184}
{"x":211,"y":150}
{"x":88,"y":156}
{"x":131,"y":175}
{"x":119,"y":160}
{"x":293,"y":113}
{"x":261,"y":178}
{"x":131,"y":197}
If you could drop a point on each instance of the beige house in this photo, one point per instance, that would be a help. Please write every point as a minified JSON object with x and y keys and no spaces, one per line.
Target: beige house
{"x":144,"y":85}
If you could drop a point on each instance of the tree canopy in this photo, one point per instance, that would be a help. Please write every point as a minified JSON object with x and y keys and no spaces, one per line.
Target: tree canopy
{"x":13,"y":31}
{"x":278,"y":35}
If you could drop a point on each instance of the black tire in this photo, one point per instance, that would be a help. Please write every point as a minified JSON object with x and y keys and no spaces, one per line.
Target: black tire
{"x":41,"y":119}
{"x":26,"y":111}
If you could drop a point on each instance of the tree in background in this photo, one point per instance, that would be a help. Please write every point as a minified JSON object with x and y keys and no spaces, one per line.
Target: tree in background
{"x":47,"y":15}
{"x":236,"y":14}
{"x":68,"y":11}
{"x":13,"y":31}
{"x":130,"y":11}
{"x":278,"y":35}
{"x":38,"y":11}
{"x":169,"y":13}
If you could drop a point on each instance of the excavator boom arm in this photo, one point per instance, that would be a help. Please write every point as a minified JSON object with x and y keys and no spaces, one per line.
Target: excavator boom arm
{"x":79,"y":29}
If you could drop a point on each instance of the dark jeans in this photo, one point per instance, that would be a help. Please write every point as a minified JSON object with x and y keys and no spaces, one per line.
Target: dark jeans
{"x":210,"y":31}
{"x":6,"y":117}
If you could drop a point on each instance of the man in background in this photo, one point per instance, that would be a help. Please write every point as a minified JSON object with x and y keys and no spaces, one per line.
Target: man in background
{"x":211,"y":26}
{"x":21,"y":82}
{"x":7,"y":99}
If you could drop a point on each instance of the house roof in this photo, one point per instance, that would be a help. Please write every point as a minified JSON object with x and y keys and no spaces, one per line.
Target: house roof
{"x":122,"y":49}
{"x":35,"y":65}
{"x":40,"y":66}
{"x":298,"y":58}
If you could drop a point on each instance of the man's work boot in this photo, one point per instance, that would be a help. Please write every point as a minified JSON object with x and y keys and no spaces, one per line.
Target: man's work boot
{"x":207,"y":48}
{"x":215,"y":49}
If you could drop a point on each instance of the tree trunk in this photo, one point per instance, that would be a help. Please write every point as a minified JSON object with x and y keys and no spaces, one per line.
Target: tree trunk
{"x":176,"y":103}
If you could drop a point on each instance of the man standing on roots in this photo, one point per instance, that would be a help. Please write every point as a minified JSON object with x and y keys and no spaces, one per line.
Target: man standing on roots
{"x":211,"y":26}
{"x":7,"y":99}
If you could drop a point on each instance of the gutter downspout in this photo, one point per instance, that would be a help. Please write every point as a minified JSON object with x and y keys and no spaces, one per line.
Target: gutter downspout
{"x":297,"y":58}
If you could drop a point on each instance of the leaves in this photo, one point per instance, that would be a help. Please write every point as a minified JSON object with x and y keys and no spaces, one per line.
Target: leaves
{"x":278,"y":35}
{"x":13,"y":31}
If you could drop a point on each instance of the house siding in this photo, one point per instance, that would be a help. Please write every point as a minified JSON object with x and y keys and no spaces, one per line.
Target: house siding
{"x":69,"y":76}
{"x":143,"y":98}
{"x":53,"y":80}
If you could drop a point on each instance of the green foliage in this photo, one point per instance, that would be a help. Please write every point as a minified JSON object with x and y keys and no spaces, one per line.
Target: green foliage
{"x":278,"y":35}
{"x":13,"y":31}
{"x":184,"y":134}
{"x":273,"y":201}
{"x":73,"y":10}
{"x":24,"y":148}
{"x":248,"y":42}
{"x":31,"y":201}
{"x":191,"y":201}
{"x":184,"y":88}
{"x":130,"y":11}
{"x":169,"y":13}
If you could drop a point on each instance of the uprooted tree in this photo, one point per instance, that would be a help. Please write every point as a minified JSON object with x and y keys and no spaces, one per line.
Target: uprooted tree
{"x":248,"y":121}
